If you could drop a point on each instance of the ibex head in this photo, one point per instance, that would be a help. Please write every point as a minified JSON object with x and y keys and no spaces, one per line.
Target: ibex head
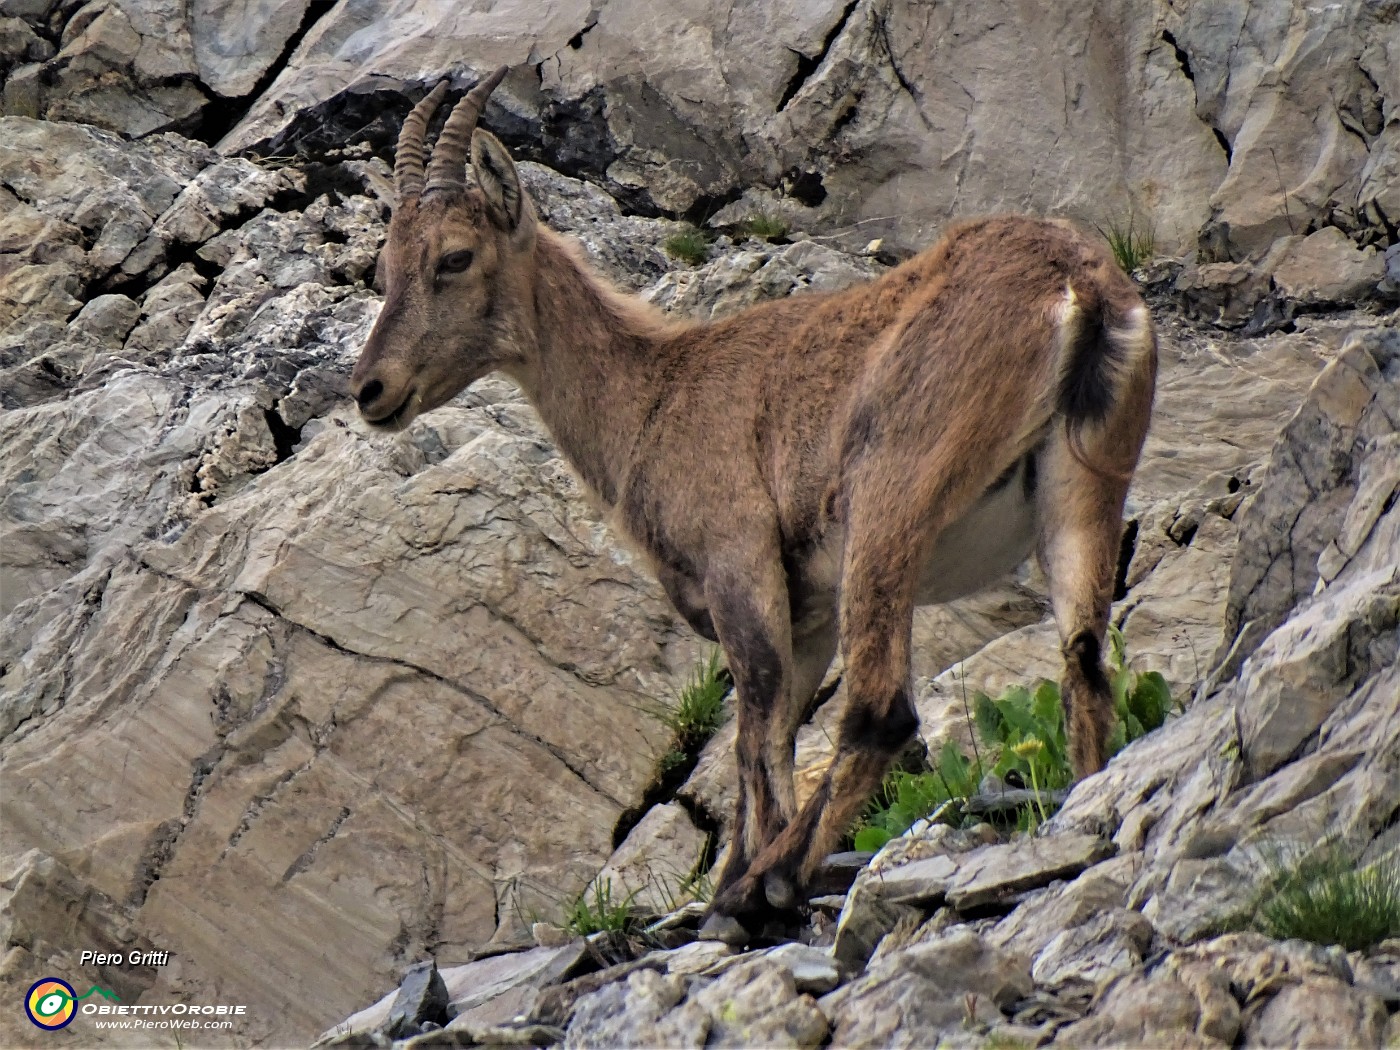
{"x":455,"y":268}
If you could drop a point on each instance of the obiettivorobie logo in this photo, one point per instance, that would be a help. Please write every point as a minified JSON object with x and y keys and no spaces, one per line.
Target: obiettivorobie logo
{"x":52,"y":1003}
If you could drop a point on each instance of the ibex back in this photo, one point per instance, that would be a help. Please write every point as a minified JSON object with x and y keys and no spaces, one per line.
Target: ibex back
{"x":805,"y":472}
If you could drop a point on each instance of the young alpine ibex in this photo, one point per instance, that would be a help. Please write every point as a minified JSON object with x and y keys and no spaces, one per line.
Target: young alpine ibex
{"x":802,"y":473}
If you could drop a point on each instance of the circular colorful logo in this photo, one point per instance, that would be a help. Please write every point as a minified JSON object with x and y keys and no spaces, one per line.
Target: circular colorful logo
{"x":50,"y":1003}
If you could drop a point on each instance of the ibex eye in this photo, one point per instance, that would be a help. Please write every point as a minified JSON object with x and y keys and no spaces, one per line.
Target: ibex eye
{"x":454,"y":262}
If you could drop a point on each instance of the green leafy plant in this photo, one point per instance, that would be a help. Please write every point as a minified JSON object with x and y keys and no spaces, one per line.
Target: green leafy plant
{"x":1023,"y":740}
{"x":1325,"y":898}
{"x":1025,"y":731}
{"x":689,"y":246}
{"x":1143,"y":699}
{"x":1132,"y":241}
{"x":674,"y":758}
{"x":595,"y":911}
{"x":906,"y":797}
{"x":764,"y":226}
{"x":699,"y":707}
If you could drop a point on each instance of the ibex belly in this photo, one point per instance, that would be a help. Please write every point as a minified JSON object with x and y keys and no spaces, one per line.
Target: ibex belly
{"x":986,"y":543}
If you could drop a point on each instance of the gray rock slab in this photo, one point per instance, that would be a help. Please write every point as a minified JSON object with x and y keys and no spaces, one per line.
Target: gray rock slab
{"x":917,"y":996}
{"x":992,"y":873}
{"x":1112,"y":943}
{"x":498,"y":988}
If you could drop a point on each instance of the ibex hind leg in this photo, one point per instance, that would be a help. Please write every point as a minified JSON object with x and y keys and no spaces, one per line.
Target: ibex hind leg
{"x":890,"y":527}
{"x":1081,"y":526}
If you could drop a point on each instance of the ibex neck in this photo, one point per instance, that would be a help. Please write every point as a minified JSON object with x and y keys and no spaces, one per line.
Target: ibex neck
{"x":595,"y":377}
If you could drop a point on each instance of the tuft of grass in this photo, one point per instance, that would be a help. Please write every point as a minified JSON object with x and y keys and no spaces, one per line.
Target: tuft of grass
{"x":699,"y":709}
{"x":1324,"y":898}
{"x":597,"y":912}
{"x":672,"y":759}
{"x":1133,"y":241}
{"x":1022,"y":734}
{"x":764,"y":226}
{"x":689,"y":246}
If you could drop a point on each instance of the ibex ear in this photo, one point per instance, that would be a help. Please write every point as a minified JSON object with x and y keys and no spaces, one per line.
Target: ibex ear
{"x":499,"y":182}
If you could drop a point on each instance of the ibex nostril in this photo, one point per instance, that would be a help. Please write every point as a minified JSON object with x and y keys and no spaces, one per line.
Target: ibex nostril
{"x":369,"y":393}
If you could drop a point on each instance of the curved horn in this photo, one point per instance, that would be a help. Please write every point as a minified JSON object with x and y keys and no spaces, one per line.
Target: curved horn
{"x":408,"y":155}
{"x":448,"y":168}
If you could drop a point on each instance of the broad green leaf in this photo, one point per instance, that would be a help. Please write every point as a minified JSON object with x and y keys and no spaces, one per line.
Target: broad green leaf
{"x":987,"y":717}
{"x":900,"y":817}
{"x":869,"y":840}
{"x":956,"y":770}
{"x":1117,"y":649}
{"x":1118,"y":739}
{"x":1133,"y":726}
{"x":1121,"y":682}
{"x":1015,"y":707}
{"x":1046,"y":706}
{"x":1154,"y":699}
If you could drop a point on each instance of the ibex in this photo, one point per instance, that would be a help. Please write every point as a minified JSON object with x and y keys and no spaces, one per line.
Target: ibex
{"x":803,"y":473}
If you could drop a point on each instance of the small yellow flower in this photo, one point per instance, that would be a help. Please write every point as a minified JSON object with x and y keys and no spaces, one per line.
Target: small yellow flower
{"x":1029,"y":748}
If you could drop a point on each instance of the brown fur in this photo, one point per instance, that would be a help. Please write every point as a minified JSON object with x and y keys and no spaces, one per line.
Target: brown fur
{"x":792,"y":470}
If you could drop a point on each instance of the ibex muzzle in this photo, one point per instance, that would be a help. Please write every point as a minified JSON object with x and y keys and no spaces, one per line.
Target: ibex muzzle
{"x":805,"y":472}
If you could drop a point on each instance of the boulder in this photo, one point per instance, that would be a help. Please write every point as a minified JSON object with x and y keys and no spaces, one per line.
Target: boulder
{"x":1326,"y":268}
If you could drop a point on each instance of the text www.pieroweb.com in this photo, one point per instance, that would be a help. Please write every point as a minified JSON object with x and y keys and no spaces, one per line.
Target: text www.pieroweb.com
{"x":164,"y":1017}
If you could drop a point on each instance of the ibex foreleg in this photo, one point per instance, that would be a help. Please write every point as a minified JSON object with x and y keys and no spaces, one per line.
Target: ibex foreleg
{"x":750,"y":614}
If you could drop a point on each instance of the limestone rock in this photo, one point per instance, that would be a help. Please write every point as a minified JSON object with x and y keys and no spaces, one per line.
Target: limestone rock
{"x":914,"y":998}
{"x":986,"y":874}
{"x":914,"y":868}
{"x":233,"y":47}
{"x":654,"y":864}
{"x":217,"y":195}
{"x":1044,"y":914}
{"x":1223,"y":293}
{"x":1319,"y":1013}
{"x":1326,"y":267}
{"x":124,"y":66}
{"x":812,"y":970}
{"x":1112,"y":943}
{"x":1159,"y":1010}
{"x":758,"y":1004}
{"x":808,"y":85}
{"x":266,"y":770}
{"x":20,"y":44}
{"x":739,"y":279}
{"x":1285,"y":747}
{"x":84,"y":203}
{"x":638,"y":1012}
{"x":1308,"y":486}
{"x":46,"y":910}
{"x":626,"y":248}
{"x":421,"y":998}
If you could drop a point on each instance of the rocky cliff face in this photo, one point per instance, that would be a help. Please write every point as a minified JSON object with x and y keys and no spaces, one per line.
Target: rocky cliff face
{"x":1228,"y":125}
{"x":304,"y":706}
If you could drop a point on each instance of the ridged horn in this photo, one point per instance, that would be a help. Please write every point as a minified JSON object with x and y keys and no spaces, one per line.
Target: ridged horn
{"x":448,"y":168}
{"x":409,"y":154}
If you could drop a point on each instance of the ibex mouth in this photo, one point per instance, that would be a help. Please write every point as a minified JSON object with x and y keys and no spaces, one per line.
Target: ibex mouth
{"x":398,"y":418}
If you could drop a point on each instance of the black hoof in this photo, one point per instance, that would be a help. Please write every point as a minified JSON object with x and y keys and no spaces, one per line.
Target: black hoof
{"x":781,"y":891}
{"x":725,"y":928}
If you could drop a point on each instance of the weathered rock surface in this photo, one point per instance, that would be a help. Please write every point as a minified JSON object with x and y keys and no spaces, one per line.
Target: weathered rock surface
{"x":866,"y":119}
{"x":193,"y":522}
{"x":658,"y":858}
{"x":308,"y":708}
{"x":888,"y":115}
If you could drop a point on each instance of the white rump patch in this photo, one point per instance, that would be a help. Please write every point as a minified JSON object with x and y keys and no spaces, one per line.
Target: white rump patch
{"x":1063,"y":313}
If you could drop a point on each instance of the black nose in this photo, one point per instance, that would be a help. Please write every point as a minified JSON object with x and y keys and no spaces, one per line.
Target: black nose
{"x":369,"y":393}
